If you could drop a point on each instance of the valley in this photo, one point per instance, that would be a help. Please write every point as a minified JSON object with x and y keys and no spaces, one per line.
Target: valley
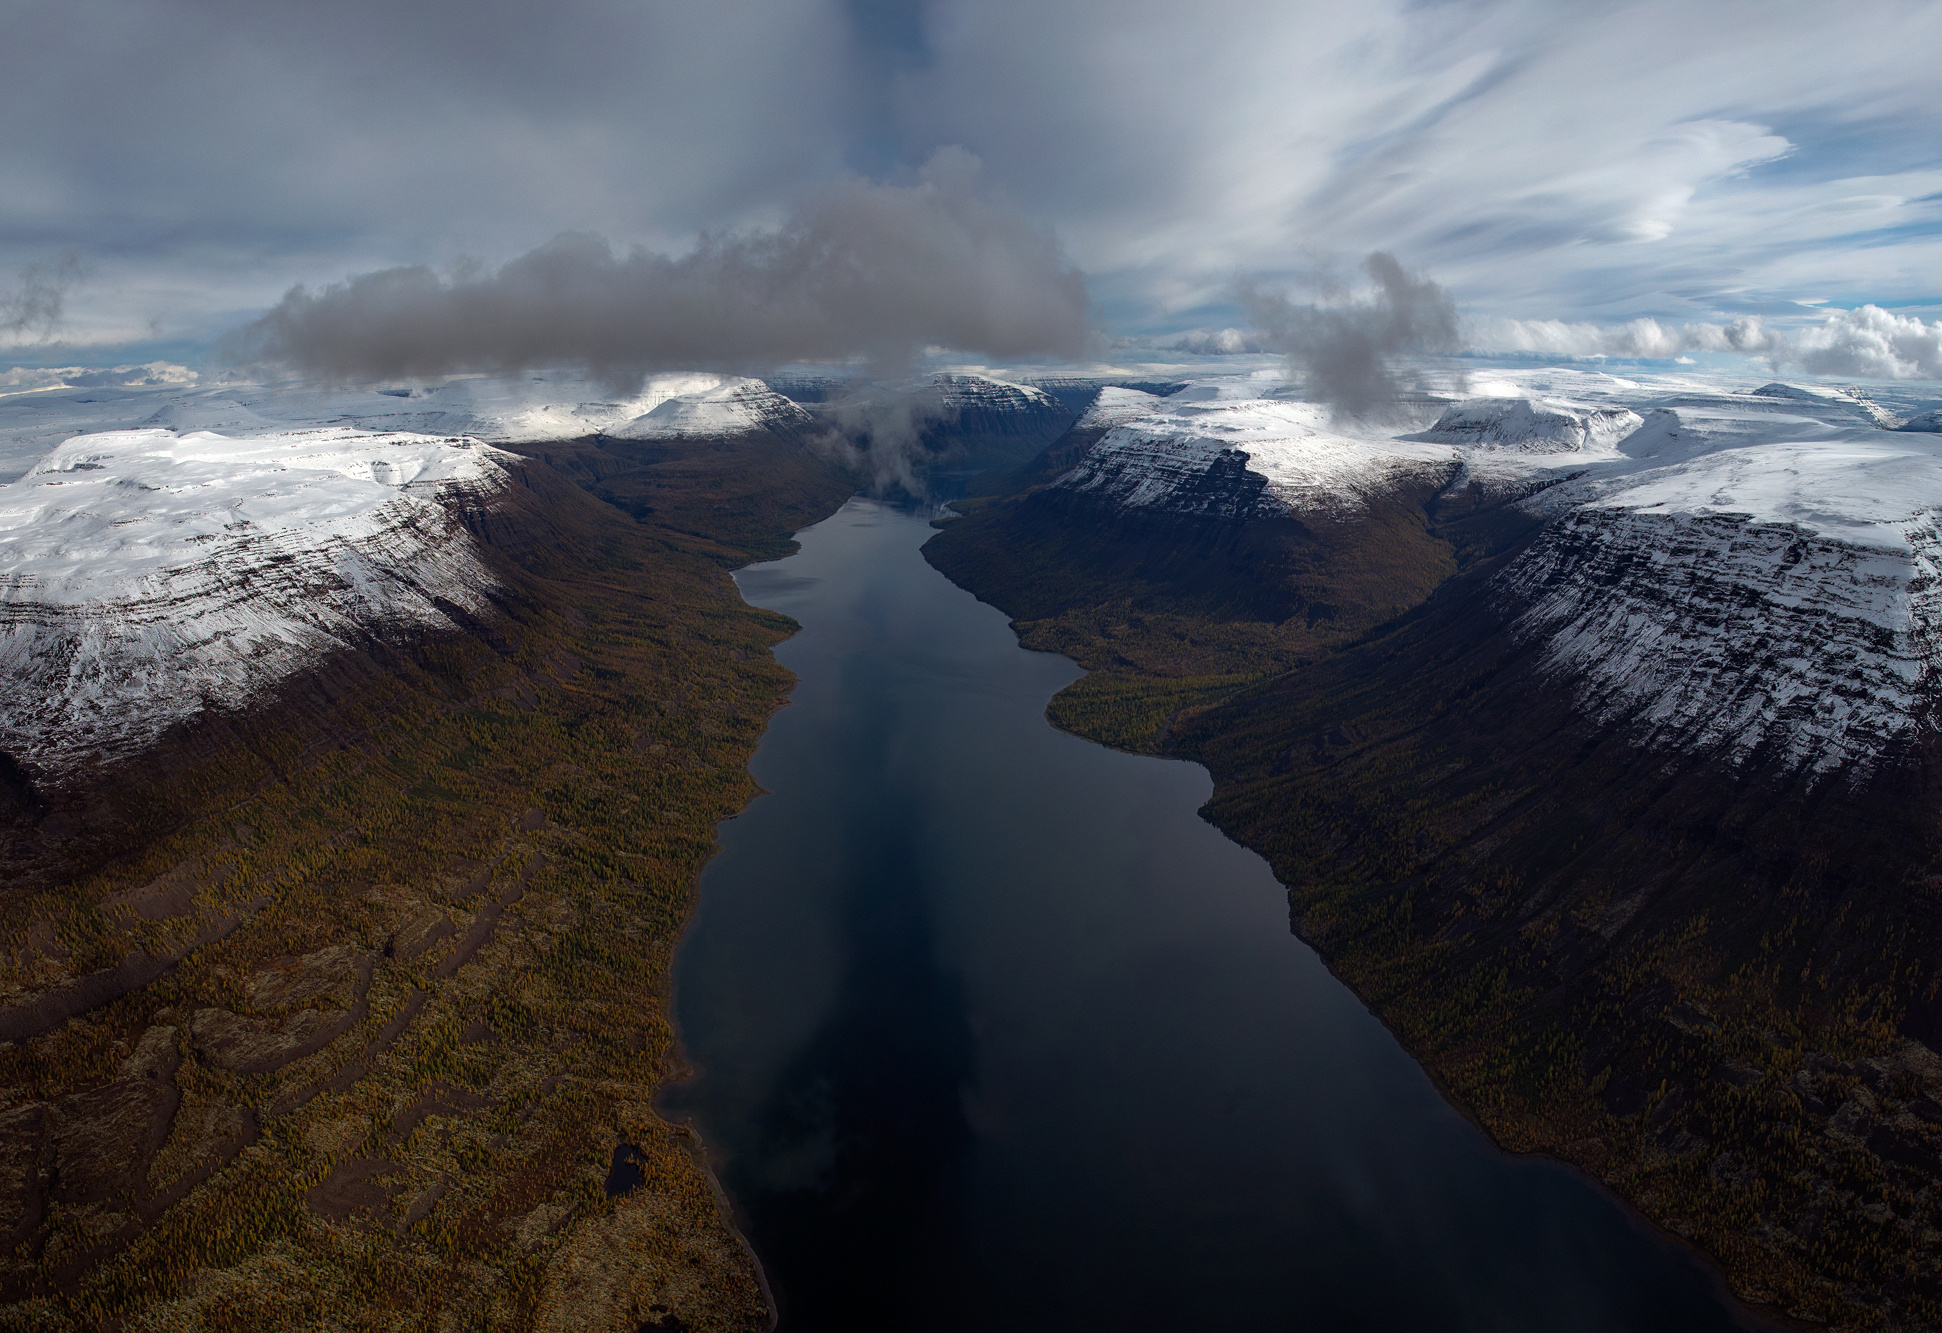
{"x":369,"y":743}
{"x":335,"y":986}
{"x":1596,"y":753}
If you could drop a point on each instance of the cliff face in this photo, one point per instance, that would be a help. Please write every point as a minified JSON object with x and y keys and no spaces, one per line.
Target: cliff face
{"x":973,"y":423}
{"x":1717,"y":634}
{"x":959,"y":425}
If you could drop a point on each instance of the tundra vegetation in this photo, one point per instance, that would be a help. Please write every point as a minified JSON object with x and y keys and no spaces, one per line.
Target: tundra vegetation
{"x":348,"y":1010}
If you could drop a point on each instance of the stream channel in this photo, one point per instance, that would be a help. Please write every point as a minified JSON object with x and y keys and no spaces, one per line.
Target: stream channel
{"x":993,"y":1032}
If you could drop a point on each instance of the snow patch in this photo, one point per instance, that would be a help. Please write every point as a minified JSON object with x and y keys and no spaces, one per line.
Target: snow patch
{"x":1116,"y":406}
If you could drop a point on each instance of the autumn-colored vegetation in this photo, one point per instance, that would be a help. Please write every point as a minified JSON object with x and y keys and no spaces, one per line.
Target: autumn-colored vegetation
{"x":425,"y":902}
{"x":1715,"y":989}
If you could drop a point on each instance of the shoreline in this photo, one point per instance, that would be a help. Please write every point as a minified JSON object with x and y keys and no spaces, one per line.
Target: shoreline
{"x":685,"y":1070}
{"x":1759,"y":1318}
{"x":1710,"y":1276}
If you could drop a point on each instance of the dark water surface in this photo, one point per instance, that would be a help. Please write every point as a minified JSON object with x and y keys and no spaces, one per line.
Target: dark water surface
{"x":995,"y":1033}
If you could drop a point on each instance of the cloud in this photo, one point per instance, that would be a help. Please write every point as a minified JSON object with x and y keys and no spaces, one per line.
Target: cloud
{"x":1641,"y":157}
{"x":32,"y":312}
{"x":1343,"y":349}
{"x":1865,"y":343}
{"x":1598,"y":163}
{"x":858,"y":270}
{"x":23,"y":379}
{"x":1220,"y":342}
{"x":1870,"y":343}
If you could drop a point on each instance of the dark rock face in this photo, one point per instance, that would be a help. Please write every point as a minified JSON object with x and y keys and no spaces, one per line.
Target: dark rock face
{"x":1713,"y":634}
{"x":971,"y":424}
{"x":18,"y":797}
{"x":958,"y":424}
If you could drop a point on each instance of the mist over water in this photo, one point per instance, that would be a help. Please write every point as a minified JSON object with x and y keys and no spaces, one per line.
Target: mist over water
{"x":995,"y":1033}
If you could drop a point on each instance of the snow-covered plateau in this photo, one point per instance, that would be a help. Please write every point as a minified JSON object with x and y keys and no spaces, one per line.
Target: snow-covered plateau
{"x":148,"y":574}
{"x":1744,"y":572}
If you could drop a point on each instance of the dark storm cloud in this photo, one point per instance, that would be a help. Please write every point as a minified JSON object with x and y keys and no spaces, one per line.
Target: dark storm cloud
{"x":878,"y":271}
{"x":1343,"y":349}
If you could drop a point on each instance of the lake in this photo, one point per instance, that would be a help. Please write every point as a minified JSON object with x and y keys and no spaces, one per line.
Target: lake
{"x":993,"y":1032}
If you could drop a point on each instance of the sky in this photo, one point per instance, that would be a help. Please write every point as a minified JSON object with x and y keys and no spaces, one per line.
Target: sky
{"x":170,"y":169}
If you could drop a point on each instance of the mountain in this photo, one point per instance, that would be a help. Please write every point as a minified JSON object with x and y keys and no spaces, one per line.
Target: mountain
{"x":546,"y":407}
{"x":1592,"y":723}
{"x":143,"y":572}
{"x":730,"y":410}
{"x":974,"y":423}
{"x":353,"y":789}
{"x":957,"y":424}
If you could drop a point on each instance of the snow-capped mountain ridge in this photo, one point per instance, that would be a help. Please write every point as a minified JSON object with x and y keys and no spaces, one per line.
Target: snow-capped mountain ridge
{"x":146,"y":575}
{"x":1739,"y":570}
{"x":1746,"y":584}
{"x":506,"y":410}
{"x":1749,"y":574}
{"x":1717,"y":634}
{"x":1210,"y":452}
{"x":732,"y":408}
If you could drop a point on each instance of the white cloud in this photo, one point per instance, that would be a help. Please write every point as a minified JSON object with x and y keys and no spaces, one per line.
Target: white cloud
{"x":1220,"y":342}
{"x":1652,"y":158}
{"x":1870,"y":343}
{"x":1867,"y":343}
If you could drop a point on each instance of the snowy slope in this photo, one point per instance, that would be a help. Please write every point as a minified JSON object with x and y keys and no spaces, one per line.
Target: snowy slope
{"x":1116,"y":406}
{"x":1527,"y":425}
{"x":166,"y":544}
{"x":146,"y":575}
{"x":733,"y":407}
{"x":1745,"y":586}
{"x":1219,"y":449}
{"x":1748,"y":570}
